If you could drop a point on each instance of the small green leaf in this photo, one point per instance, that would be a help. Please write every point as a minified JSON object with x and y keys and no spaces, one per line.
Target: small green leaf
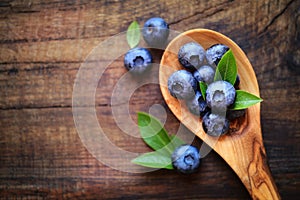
{"x":218,"y":76}
{"x":244,"y":100}
{"x":158,"y":139}
{"x":153,"y":132}
{"x":203,"y":88}
{"x":133,"y":34}
{"x":226,"y":69}
{"x":176,"y":141}
{"x":154,"y":159}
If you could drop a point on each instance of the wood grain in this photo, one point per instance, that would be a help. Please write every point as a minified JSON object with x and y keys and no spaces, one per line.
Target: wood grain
{"x":42,"y":45}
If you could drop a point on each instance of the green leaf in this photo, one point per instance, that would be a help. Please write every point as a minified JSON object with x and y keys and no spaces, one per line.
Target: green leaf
{"x":176,"y":141}
{"x":218,"y":76}
{"x":153,"y":132}
{"x":226,"y":69}
{"x":244,"y":100}
{"x":133,"y":34}
{"x":203,"y":88}
{"x":158,"y":139}
{"x":154,"y":159}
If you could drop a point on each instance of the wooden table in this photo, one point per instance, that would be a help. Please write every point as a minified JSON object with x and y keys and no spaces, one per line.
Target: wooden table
{"x":43,"y":44}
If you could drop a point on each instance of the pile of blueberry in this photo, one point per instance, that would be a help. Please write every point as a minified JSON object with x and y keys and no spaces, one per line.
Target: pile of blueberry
{"x":155,"y":33}
{"x":200,"y":66}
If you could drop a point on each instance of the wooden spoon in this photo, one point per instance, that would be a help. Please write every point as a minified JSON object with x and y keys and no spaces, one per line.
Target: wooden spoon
{"x":243,"y":148}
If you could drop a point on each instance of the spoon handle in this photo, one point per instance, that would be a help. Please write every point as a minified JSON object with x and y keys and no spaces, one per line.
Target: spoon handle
{"x":261,"y":184}
{"x":246,"y":155}
{"x":257,"y":177}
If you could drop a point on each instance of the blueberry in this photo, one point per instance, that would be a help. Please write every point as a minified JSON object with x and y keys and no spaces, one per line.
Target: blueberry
{"x":182,"y":84}
{"x":215,"y":53}
{"x":220,"y":95}
{"x":197,"y":105}
{"x":191,"y":55}
{"x":156,"y":32}
{"x":205,"y":74}
{"x":138,"y":60}
{"x":234,"y":114}
{"x":186,"y":159}
{"x":215,"y":124}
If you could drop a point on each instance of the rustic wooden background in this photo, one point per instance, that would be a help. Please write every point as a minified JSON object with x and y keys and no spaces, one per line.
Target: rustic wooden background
{"x":42,"y":45}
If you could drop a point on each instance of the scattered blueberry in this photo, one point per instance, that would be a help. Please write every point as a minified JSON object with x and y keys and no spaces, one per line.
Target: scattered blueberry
{"x":234,"y":114}
{"x":155,"y":32}
{"x":138,"y":60}
{"x":205,"y":74}
{"x":220,"y":95}
{"x":191,"y":55}
{"x":182,"y":84}
{"x":215,"y":124}
{"x":186,"y":159}
{"x":215,"y":53}
{"x":197,"y":105}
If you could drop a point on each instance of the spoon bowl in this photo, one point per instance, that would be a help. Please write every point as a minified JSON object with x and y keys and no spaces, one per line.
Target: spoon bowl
{"x":243,"y":147}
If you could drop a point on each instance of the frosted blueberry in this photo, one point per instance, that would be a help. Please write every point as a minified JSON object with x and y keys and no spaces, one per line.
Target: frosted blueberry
{"x":156,"y":32}
{"x":138,"y":60}
{"x":205,"y":74}
{"x":215,"y":53}
{"x":215,"y":124}
{"x":186,"y":159}
{"x":191,"y":55}
{"x":182,"y":84}
{"x":220,"y":95}
{"x":197,"y":105}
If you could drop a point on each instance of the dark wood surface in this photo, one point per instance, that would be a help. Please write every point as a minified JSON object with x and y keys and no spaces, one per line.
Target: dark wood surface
{"x":44,"y":43}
